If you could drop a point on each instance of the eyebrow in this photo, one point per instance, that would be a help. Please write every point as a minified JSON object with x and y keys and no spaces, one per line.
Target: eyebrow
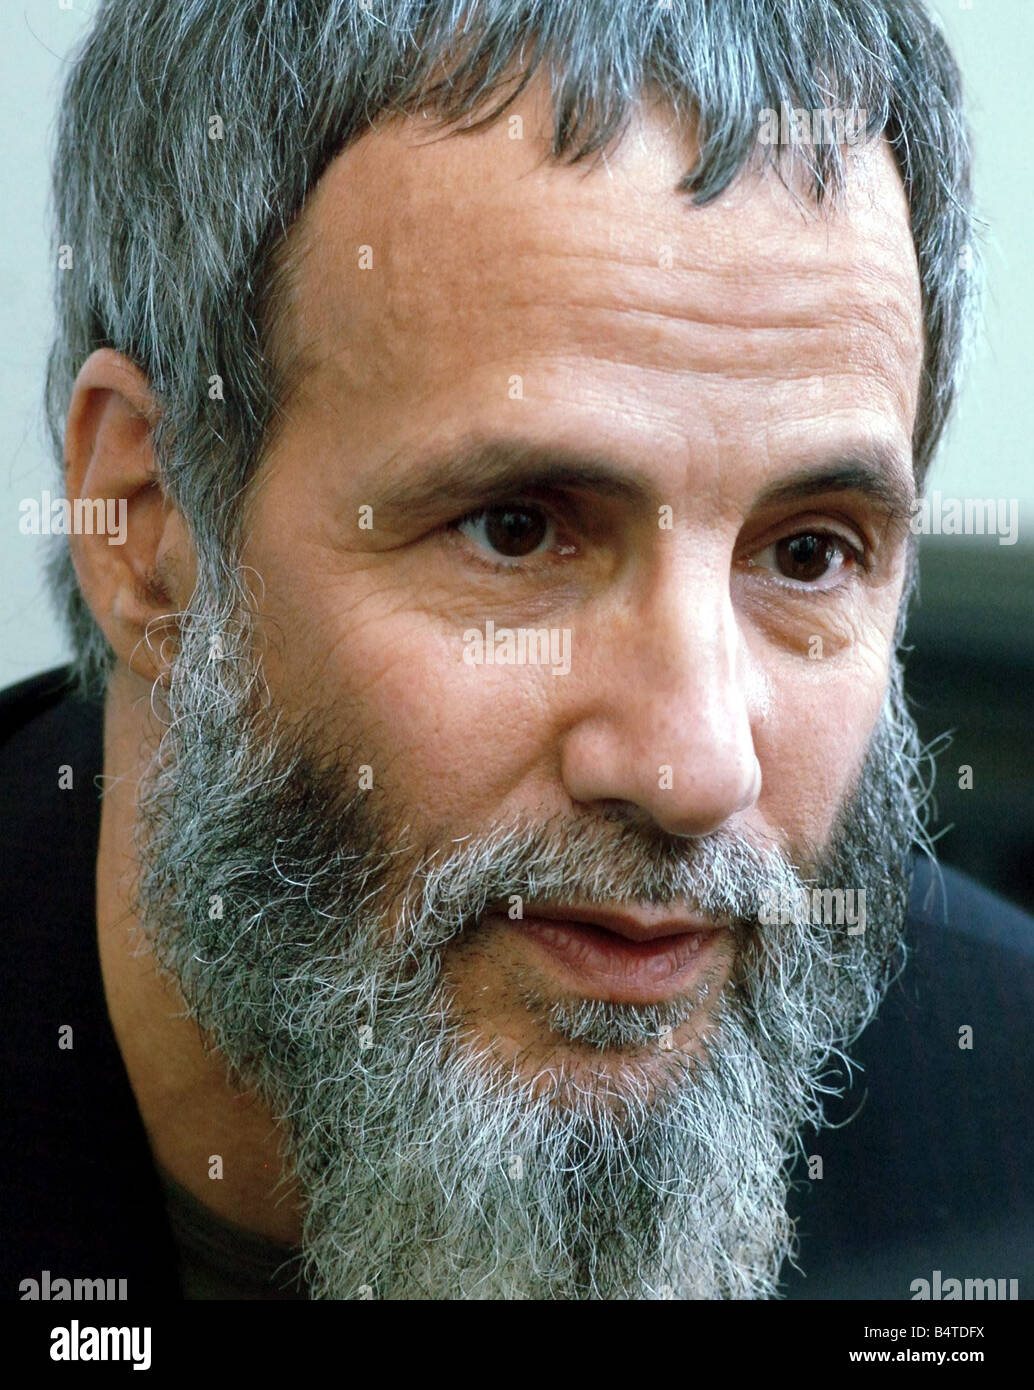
{"x":880,"y":476}
{"x":483,"y":472}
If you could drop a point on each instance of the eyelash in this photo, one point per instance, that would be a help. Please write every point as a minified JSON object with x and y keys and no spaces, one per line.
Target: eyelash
{"x":858,"y":555}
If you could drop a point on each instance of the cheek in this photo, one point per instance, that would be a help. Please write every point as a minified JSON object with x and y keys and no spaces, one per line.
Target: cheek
{"x":447,"y":742}
{"x":813,"y":741}
{"x":459,"y":741}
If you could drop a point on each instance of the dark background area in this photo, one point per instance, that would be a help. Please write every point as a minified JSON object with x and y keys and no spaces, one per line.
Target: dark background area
{"x":970,"y":674}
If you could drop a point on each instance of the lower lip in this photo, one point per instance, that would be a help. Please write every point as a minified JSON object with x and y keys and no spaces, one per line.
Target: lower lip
{"x":622,"y":971}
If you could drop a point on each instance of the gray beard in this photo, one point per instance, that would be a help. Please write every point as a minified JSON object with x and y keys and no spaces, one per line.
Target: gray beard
{"x":308,"y":936}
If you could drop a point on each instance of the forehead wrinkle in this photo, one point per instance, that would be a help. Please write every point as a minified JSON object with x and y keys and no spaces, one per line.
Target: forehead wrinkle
{"x":503,"y":264}
{"x":798,"y":303}
{"x":802,"y":332}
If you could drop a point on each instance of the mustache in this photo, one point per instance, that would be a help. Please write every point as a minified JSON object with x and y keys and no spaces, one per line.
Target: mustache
{"x":556,"y":862}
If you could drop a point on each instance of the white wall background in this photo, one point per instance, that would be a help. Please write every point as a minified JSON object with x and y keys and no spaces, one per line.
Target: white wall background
{"x":988,"y":448}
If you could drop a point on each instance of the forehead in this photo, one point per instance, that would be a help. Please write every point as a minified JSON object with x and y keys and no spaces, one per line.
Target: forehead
{"x":434,"y":267}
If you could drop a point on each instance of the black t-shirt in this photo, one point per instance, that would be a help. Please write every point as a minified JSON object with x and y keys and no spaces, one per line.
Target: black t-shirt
{"x":931,"y":1179}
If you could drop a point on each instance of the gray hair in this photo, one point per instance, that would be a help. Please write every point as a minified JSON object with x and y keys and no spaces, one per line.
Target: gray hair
{"x":179,"y":239}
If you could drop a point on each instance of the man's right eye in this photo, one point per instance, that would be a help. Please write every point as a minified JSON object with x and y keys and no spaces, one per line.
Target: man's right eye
{"x":512,"y":532}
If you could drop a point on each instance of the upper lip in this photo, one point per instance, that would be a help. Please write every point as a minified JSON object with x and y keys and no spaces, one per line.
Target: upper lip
{"x":638,"y":924}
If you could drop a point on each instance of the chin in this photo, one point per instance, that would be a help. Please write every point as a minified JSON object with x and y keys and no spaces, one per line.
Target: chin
{"x":584,"y":1076}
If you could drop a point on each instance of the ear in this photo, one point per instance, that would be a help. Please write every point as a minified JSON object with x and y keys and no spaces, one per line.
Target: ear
{"x":137,"y":568}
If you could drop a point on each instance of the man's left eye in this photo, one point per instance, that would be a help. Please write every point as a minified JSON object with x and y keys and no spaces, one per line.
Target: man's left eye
{"x":810,"y":559}
{"x":512,"y":532}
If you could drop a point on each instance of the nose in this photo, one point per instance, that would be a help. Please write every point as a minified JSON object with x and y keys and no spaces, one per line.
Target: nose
{"x":664,"y":728}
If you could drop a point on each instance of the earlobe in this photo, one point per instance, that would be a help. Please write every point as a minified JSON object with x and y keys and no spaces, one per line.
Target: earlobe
{"x":130,"y":546}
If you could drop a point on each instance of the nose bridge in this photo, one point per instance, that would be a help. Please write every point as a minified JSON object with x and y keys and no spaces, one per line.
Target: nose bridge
{"x":670,"y":724}
{"x":686,"y":638}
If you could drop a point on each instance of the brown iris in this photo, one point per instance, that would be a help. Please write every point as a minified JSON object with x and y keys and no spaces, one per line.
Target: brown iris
{"x":515,"y":531}
{"x":806,"y":557}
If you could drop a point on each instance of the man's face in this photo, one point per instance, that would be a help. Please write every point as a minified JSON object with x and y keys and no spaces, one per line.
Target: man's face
{"x":464,"y":292}
{"x":486,"y":932}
